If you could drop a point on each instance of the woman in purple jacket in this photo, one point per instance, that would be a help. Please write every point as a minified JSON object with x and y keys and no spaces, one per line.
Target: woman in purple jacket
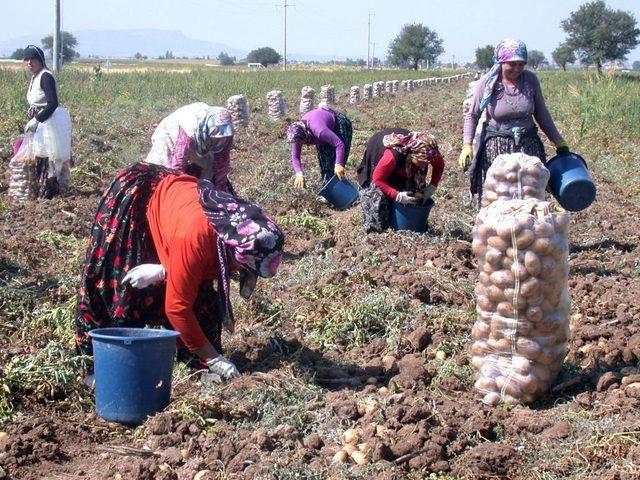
{"x":330,"y":132}
{"x":513,"y":99}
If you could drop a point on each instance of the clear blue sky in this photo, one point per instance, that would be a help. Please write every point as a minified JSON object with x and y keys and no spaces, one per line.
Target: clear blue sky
{"x":329,"y":27}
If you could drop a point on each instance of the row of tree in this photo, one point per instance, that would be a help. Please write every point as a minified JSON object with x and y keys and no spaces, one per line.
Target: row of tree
{"x":596,"y":34}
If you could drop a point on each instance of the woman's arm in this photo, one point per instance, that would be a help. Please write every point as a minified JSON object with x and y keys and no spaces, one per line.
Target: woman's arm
{"x":437,"y":165}
{"x":296,"y":150}
{"x":541,"y":113}
{"x":472,"y":117}
{"x":329,"y":138}
{"x":385,"y":167}
{"x":182,"y":151}
{"x":48,"y":84}
{"x":185,"y":272}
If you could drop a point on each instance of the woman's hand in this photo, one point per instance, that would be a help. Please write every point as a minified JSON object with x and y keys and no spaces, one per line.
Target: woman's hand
{"x":144,"y":275}
{"x":562,"y":148}
{"x":31,"y":126}
{"x":223,"y":368}
{"x":299,"y":182}
{"x":464,"y":160}
{"x":339,"y":171}
{"x":406,"y":198}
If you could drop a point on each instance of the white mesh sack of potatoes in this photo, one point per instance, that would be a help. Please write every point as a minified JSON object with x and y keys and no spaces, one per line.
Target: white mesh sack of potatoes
{"x":522,"y":301}
{"x":515,"y":176}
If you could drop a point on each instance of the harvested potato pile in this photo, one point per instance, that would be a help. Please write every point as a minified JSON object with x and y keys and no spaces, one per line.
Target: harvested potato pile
{"x":523,"y":305}
{"x":515,"y":176}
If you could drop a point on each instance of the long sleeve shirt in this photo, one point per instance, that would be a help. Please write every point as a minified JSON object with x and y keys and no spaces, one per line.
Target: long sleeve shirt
{"x":506,"y":111}
{"x":186,"y":245}
{"x":388,"y":167}
{"x":215,"y":166}
{"x":321,"y":123}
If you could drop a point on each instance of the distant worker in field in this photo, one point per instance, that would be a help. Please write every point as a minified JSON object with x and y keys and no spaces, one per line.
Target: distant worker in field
{"x":159,"y":241}
{"x":394,"y":168}
{"x":512,"y":98}
{"x":48,"y":128}
{"x":331,"y":133}
{"x":195,"y":139}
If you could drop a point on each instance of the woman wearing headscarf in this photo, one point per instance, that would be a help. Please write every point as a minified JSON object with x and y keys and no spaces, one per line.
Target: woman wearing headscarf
{"x":331,"y":133}
{"x":159,"y":242}
{"x":394,"y":167}
{"x":49,"y":126}
{"x":195,"y":139}
{"x":513,"y":99}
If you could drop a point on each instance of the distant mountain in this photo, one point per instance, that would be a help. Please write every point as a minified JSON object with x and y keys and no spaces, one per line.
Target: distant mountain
{"x":126,"y":43}
{"x":149,"y":42}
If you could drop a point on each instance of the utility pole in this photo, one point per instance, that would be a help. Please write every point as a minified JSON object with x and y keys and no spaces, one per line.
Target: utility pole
{"x":369,"y":40}
{"x":284,"y":56}
{"x":373,"y":55}
{"x":57,"y":44}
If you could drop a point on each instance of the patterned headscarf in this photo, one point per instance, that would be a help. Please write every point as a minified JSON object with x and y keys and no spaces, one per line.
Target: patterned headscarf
{"x":215,"y":122}
{"x":507,"y":50}
{"x":298,"y":132}
{"x":243,"y":230}
{"x":32,"y":51}
{"x":418,"y":144}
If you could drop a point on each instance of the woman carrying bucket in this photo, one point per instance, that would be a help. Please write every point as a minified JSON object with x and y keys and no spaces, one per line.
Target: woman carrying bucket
{"x":195,"y":139}
{"x":158,"y":242}
{"x":512,"y":98}
{"x":48,"y":128}
{"x":330,"y":132}
{"x":394,"y":169}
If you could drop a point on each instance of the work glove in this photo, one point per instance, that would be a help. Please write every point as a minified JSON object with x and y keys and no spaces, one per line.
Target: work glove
{"x":562,"y":148}
{"x":31,"y":126}
{"x":299,"y":181}
{"x":406,"y":198}
{"x":144,"y":275}
{"x":222,"y":367}
{"x":339,"y":171}
{"x":464,"y":160}
{"x":428,"y":192}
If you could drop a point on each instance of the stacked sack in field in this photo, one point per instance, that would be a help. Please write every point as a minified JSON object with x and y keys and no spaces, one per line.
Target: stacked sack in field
{"x":327,"y":95}
{"x":522,"y":326}
{"x":388,"y":87}
{"x":396,"y":85}
{"x":407,"y":85}
{"x":354,"y":94}
{"x":275,"y":105}
{"x":367,"y":91}
{"x":378,"y":89}
{"x":239,"y":108}
{"x":514,"y":176}
{"x":307,"y":96}
{"x":22,"y":179}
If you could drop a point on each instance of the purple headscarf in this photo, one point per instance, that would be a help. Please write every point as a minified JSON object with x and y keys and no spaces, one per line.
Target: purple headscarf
{"x":244,"y":231}
{"x":298,"y":132}
{"x":507,"y":50}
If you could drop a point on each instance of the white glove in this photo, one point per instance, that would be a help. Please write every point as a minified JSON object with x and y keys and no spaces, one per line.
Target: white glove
{"x":144,"y":275}
{"x":429,"y":190}
{"x":406,"y":198}
{"x":223,"y":367}
{"x":31,"y":126}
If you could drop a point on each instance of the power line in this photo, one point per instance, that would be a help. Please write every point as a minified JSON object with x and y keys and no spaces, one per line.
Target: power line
{"x":284,"y":56}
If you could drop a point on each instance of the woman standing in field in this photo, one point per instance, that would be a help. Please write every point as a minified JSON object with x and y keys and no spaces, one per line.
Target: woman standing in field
{"x":195,"y":139}
{"x":159,"y":241}
{"x":394,"y":168}
{"x":513,"y":99}
{"x":48,"y":128}
{"x":331,"y":133}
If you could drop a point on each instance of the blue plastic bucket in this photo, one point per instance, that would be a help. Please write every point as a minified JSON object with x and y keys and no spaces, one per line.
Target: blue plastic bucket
{"x":570,"y":182}
{"x":411,"y":217}
{"x":133,"y":369}
{"x":340,"y":193}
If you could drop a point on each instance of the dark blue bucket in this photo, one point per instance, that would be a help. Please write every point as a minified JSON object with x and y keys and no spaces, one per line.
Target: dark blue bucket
{"x":570,"y":182}
{"x":133,"y":369}
{"x":411,"y":217}
{"x":340,"y":193}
